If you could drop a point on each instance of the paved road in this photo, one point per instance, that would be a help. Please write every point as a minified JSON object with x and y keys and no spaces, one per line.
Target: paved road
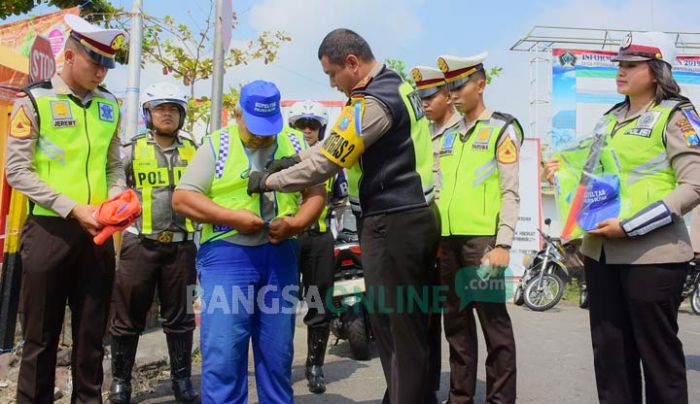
{"x":555,"y":363}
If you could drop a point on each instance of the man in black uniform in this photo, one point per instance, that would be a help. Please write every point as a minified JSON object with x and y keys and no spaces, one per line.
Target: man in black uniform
{"x":383,"y":138}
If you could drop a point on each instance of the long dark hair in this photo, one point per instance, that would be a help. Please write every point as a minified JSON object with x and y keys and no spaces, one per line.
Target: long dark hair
{"x":666,"y":85}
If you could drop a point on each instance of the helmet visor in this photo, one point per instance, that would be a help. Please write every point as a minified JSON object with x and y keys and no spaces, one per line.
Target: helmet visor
{"x":306,"y":122}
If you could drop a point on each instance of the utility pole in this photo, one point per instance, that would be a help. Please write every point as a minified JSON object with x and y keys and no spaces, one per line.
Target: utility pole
{"x":217,"y":82}
{"x":134,"y":81}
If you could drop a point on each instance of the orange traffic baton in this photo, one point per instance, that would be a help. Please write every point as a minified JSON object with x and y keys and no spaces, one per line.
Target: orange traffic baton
{"x":117,"y":214}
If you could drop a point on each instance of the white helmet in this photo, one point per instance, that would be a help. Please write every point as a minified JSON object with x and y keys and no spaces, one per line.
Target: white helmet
{"x":163,"y":93}
{"x":308,"y":110}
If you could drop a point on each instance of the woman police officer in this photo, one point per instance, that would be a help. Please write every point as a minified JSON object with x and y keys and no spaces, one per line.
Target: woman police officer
{"x":636,"y":263}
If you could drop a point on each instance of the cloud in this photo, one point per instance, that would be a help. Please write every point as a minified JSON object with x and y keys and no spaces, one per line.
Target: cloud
{"x":297,"y":70}
{"x":640,"y":15}
{"x":417,"y":31}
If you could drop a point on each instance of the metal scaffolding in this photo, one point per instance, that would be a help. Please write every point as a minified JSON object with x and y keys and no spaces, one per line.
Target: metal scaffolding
{"x":540,"y":41}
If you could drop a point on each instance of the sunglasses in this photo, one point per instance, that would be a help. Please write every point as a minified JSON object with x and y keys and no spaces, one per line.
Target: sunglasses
{"x":304,"y":123}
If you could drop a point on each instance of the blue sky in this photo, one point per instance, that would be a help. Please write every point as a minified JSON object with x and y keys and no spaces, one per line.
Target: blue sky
{"x":416,"y":31}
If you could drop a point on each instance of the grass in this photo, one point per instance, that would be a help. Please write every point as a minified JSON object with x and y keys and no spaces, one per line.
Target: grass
{"x":571,"y":291}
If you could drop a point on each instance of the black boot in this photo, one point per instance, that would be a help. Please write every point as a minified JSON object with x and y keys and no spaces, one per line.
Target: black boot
{"x":317,"y":341}
{"x":123,"y":355}
{"x":180,"y":350}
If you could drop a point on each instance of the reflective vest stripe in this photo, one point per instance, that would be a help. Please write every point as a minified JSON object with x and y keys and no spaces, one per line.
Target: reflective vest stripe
{"x":146,"y":219}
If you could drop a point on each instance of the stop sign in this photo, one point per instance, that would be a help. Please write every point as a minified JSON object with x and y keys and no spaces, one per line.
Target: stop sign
{"x":42,"y":64}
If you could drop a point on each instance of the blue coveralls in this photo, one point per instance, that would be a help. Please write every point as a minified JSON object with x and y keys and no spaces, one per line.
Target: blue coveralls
{"x":248,"y":292}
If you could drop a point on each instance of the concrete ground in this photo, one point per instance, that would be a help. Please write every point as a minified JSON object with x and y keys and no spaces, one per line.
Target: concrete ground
{"x":555,"y":363}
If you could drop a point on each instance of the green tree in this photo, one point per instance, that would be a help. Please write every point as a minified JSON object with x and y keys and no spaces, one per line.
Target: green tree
{"x":186,"y":53}
{"x":95,"y":8}
{"x":399,"y":67}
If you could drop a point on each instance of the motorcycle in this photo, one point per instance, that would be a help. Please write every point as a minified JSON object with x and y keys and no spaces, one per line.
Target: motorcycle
{"x":350,"y":320}
{"x":691,"y":287}
{"x":541,"y":286}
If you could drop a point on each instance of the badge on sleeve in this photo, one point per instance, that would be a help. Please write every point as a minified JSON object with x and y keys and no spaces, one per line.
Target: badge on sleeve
{"x":345,"y":145}
{"x":507,"y":153}
{"x":20,"y":125}
{"x":690,"y":127}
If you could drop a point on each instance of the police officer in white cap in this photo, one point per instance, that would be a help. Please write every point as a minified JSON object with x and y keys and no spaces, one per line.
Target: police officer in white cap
{"x":636,"y":263}
{"x":63,"y":154}
{"x":437,"y":104}
{"x":158,"y":251}
{"x":479,"y":209}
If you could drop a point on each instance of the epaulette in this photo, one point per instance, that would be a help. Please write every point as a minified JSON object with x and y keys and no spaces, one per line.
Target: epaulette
{"x":38,"y":84}
{"x":503,"y":116}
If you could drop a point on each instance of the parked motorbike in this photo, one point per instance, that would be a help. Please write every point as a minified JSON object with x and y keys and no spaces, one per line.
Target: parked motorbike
{"x":691,"y":287}
{"x":541,"y":286}
{"x":350,"y":320}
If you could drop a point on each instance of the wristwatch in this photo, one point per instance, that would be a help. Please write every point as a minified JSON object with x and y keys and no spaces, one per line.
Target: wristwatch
{"x":504,"y":246}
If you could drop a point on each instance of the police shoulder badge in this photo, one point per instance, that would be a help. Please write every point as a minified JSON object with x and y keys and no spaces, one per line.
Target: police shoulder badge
{"x":690,"y":127}
{"x":345,"y":145}
{"x":20,"y":125}
{"x":507,"y":153}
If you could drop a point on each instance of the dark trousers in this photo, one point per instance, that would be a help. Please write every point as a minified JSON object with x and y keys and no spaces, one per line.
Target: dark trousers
{"x":317,"y":267}
{"x":435,"y":334}
{"x":398,"y":255}
{"x":460,"y":329}
{"x":633,"y":313}
{"x":61,"y":263}
{"x":145,"y":265}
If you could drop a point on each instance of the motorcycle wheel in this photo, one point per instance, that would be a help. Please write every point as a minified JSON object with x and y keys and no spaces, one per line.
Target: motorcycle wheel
{"x":548,"y":297}
{"x":357,"y":335}
{"x":518,"y":298}
{"x":695,"y":300}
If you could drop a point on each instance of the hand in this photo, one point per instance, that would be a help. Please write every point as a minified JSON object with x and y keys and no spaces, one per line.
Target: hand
{"x":85,"y":215}
{"x":609,"y":228}
{"x":283,"y":228}
{"x":247,"y":222}
{"x":550,"y":168}
{"x":499,"y":257}
{"x":282,"y":164}
{"x":256,"y":182}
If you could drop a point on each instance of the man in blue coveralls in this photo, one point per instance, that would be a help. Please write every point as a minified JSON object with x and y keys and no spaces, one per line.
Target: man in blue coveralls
{"x":247,"y":262}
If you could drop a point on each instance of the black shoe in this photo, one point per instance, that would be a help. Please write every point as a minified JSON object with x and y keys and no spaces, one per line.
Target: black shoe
{"x":317,"y":341}
{"x":183,"y":390}
{"x":123,"y":355}
{"x":180,"y":351}
{"x":314,"y":374}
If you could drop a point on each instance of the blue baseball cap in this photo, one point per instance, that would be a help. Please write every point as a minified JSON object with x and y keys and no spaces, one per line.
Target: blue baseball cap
{"x":601,"y":202}
{"x":260,"y":102}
